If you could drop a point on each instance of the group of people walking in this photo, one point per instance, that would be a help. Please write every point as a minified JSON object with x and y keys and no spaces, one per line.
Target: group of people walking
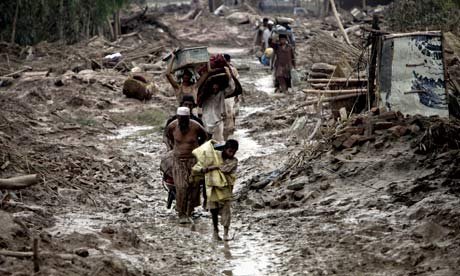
{"x":203,"y":121}
{"x":277,"y":44}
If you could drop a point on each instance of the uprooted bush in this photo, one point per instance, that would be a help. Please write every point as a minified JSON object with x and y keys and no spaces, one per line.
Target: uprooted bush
{"x":419,"y":15}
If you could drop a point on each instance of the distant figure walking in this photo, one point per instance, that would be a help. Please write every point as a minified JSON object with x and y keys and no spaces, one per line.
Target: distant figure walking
{"x":284,"y":62}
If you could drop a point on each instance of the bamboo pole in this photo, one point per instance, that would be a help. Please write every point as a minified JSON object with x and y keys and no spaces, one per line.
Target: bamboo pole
{"x":339,"y":22}
{"x":336,"y":80}
{"x":343,"y":91}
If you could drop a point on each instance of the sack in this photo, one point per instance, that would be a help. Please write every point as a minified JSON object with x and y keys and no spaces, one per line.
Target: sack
{"x":137,"y":89}
{"x":295,"y":77}
{"x":216,"y":61}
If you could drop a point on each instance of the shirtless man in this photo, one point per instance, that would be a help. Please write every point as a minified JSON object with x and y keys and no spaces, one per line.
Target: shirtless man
{"x":183,"y":134}
{"x":185,"y":86}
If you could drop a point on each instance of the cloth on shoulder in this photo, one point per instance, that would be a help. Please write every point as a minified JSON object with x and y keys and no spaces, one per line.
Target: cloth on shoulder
{"x":219,"y":183}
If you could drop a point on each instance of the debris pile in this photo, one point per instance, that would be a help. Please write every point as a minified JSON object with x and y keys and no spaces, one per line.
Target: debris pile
{"x":378,"y":131}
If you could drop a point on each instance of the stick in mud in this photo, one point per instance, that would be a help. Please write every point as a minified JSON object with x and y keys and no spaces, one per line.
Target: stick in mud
{"x":35,"y":257}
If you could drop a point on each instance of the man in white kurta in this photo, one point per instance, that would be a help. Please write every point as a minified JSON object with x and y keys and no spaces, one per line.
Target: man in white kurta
{"x":214,"y":111}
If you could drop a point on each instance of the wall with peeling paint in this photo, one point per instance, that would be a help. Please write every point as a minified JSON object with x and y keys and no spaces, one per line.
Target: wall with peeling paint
{"x":411,"y":74}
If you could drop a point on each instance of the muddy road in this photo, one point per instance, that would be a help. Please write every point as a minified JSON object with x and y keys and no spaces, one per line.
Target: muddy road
{"x":136,"y":227}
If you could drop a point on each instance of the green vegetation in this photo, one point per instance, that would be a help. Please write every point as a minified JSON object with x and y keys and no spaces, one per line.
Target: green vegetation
{"x":420,"y":15}
{"x":31,"y":21}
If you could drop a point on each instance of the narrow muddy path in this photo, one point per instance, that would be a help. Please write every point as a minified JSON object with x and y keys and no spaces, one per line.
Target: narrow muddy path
{"x":136,"y":227}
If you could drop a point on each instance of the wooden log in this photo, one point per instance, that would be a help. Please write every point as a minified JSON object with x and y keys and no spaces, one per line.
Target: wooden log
{"x":16,"y":254}
{"x":35,"y":74}
{"x":328,"y":99}
{"x":333,"y":85}
{"x":319,"y":75}
{"x":18,"y":73}
{"x":342,"y":91}
{"x":337,"y":80}
{"x":19,"y":182}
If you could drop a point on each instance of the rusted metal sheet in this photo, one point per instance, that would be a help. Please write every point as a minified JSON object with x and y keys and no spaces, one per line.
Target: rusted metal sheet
{"x":411,"y":74}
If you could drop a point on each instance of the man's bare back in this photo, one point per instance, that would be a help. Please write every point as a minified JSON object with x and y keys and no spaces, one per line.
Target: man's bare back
{"x":185,"y":142}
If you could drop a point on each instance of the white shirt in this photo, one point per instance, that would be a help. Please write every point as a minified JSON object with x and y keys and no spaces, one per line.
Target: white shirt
{"x":266,"y":36}
{"x":214,"y":106}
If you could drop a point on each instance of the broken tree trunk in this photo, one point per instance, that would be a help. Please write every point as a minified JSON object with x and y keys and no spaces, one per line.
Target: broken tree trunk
{"x":339,"y":22}
{"x":19,"y":182}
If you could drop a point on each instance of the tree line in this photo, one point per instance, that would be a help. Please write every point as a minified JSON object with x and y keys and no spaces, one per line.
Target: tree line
{"x":27,"y":22}
{"x":422,"y":14}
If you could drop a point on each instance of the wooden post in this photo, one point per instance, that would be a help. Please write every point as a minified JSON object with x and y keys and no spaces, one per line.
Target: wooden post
{"x":35,"y":256}
{"x":118,"y":22}
{"x":364,"y":4}
{"x":61,"y":20}
{"x":112,"y":35}
{"x":15,"y":20}
{"x":115,"y":26}
{"x":339,"y":22}
{"x":373,"y":63}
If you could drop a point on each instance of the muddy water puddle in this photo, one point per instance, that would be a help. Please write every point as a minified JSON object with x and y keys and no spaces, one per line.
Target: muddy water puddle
{"x":127,"y":131}
{"x":248,"y":254}
{"x":231,"y":51}
{"x":265,"y":84}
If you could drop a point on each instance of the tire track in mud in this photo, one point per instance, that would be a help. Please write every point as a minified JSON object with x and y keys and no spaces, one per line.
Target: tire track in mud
{"x":136,"y":227}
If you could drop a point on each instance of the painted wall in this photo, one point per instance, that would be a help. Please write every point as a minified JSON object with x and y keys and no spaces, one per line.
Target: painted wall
{"x":411,"y":75}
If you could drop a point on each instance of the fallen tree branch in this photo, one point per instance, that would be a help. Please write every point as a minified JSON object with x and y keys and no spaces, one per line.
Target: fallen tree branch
{"x":19,"y":182}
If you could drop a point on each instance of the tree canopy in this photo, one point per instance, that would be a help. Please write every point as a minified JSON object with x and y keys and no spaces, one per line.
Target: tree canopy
{"x":425,"y":14}
{"x":31,"y":21}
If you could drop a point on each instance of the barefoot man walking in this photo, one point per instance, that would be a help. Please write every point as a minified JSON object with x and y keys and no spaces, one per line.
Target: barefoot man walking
{"x":183,"y":134}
